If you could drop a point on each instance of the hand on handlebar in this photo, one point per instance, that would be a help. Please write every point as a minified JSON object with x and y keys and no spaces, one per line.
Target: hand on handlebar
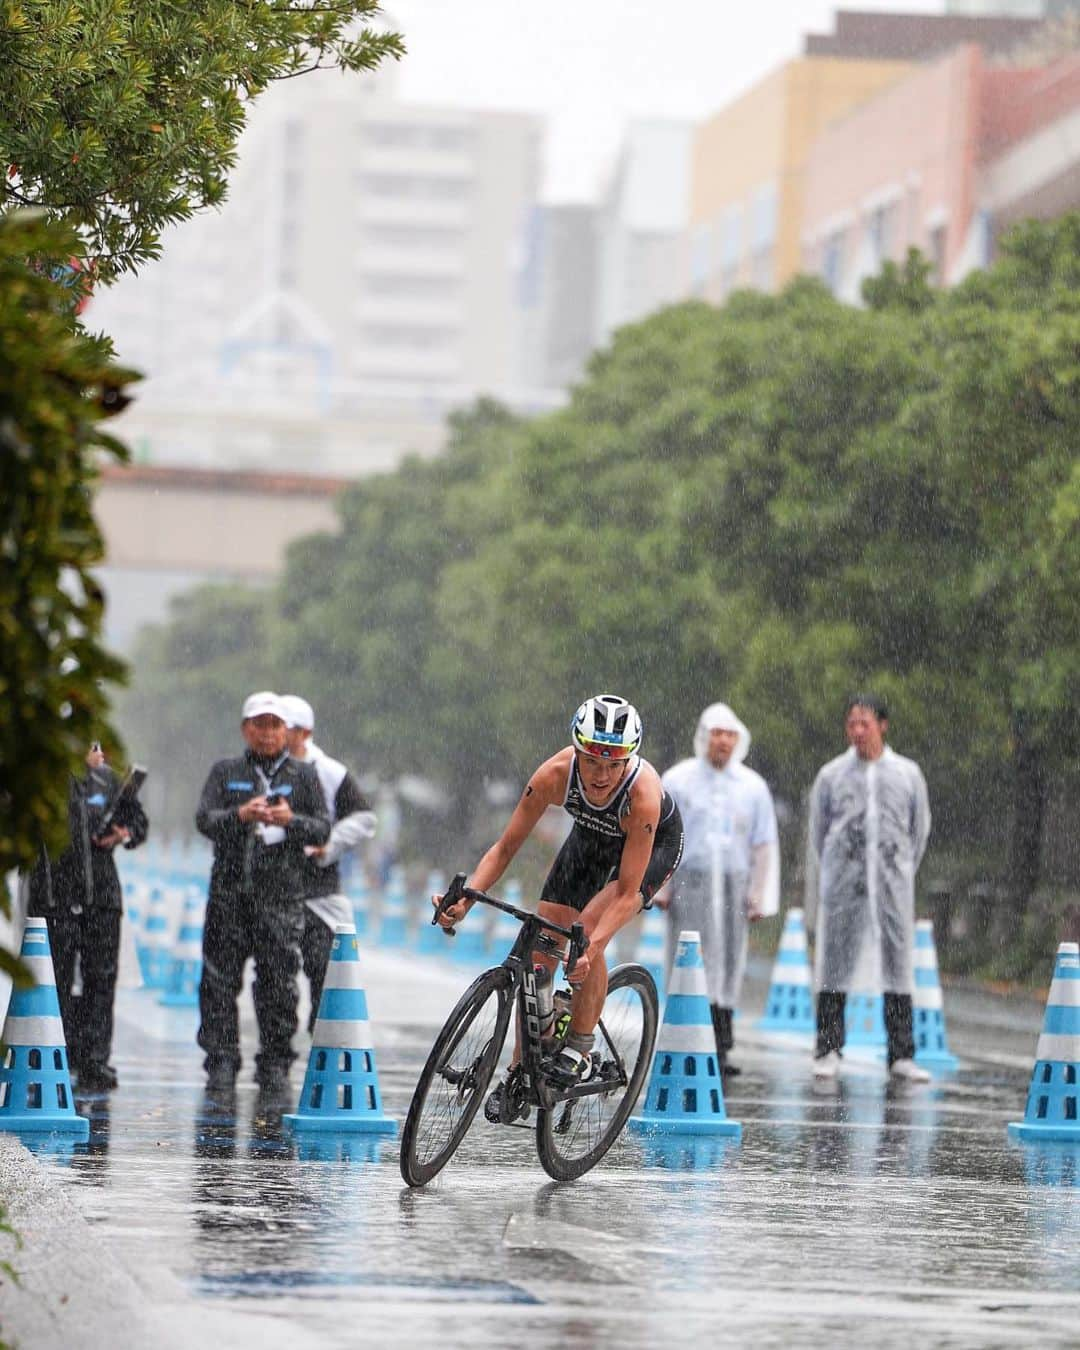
{"x":576,"y":963}
{"x":579,"y":971}
{"x":454,"y":915}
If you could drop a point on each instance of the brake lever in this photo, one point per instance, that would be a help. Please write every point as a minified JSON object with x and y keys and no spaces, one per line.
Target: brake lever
{"x":450,"y":898}
{"x":579,"y":944}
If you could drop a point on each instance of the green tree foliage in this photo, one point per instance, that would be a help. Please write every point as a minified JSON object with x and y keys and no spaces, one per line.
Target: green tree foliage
{"x":124,"y":118}
{"x":56,"y":385}
{"x":775,"y":503}
{"x":116,"y":120}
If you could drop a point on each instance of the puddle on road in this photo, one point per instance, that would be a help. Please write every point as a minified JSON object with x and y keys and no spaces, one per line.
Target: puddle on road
{"x":897,"y":1199}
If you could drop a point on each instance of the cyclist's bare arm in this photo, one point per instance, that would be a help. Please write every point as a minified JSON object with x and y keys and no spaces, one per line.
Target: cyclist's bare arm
{"x":547,"y":787}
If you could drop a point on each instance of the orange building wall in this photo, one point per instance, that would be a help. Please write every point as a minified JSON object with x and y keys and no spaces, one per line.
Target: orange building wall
{"x":765,"y":137}
{"x":917,"y":139}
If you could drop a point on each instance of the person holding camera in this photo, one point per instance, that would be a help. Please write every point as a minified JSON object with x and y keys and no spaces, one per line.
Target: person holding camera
{"x":260,"y":810}
{"x":80,"y":896}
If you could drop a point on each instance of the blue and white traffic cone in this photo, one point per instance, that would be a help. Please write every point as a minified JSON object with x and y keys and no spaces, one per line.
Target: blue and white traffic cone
{"x":651,"y":952}
{"x":359,"y":895}
{"x":152,"y":943}
{"x":393,"y":926}
{"x":1053,"y":1102}
{"x":185,"y":971}
{"x":35,"y":1078}
{"x":432,"y":941}
{"x":931,"y":1047}
{"x":789,"y":1005}
{"x":864,"y":1020}
{"x":686,"y":1091}
{"x":341,"y":1086}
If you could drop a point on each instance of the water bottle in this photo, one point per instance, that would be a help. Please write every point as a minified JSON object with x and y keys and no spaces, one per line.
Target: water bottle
{"x":545,"y":1010}
{"x":561,"y":1007}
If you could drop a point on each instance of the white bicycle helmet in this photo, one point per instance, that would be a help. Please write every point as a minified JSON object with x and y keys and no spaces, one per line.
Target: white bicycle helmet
{"x":606,"y":727}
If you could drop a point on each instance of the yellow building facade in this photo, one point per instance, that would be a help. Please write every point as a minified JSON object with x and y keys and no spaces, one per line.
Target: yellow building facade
{"x":748,"y":163}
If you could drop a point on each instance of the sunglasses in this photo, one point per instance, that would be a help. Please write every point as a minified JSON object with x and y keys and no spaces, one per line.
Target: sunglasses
{"x":598,"y":750}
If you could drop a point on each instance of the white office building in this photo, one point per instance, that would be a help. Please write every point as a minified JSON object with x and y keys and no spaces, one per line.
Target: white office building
{"x":641,"y":222}
{"x":360,"y":281}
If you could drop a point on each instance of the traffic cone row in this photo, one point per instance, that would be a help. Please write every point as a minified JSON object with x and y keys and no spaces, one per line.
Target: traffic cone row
{"x":185,"y":969}
{"x":35,"y":1078}
{"x":152,"y":944}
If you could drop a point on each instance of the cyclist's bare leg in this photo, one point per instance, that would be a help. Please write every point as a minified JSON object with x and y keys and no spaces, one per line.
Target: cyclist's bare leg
{"x":588,"y":998}
{"x":564,"y":916}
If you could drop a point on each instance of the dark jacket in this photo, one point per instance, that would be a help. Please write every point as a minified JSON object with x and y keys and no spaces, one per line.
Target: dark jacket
{"x":84,"y":876}
{"x":244,"y":865}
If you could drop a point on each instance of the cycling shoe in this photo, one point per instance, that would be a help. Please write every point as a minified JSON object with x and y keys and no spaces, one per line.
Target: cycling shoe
{"x":569,"y":1068}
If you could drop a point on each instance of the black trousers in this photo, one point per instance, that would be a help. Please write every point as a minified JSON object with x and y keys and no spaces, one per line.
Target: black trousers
{"x":236,"y":929}
{"x":723,"y":1029}
{"x":93,"y":937}
{"x":315,"y":944}
{"x":899,"y":1024}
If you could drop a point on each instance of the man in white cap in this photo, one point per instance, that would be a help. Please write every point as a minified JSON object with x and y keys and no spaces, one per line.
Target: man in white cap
{"x":730,"y":873}
{"x":260,"y":810}
{"x":351,"y":820}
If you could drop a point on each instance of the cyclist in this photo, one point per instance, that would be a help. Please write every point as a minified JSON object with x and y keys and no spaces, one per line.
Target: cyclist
{"x":625,"y":843}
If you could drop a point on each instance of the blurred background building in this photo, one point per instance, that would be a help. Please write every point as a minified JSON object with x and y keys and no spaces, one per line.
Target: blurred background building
{"x":379,"y":263}
{"x":360,"y":282}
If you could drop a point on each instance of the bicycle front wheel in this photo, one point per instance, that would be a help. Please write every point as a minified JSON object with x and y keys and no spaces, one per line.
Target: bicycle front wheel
{"x":455,"y":1077}
{"x":575,"y":1134}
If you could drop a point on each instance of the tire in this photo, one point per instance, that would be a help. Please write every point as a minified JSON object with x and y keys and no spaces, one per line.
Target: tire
{"x":574,"y":1135}
{"x":443,"y":1105}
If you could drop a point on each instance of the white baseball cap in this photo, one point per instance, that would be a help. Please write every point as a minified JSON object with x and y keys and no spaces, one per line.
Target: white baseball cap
{"x":266,"y":701}
{"x":298,"y":712}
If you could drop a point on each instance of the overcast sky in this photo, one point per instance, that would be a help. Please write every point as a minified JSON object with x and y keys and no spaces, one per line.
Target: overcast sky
{"x":592,"y":65}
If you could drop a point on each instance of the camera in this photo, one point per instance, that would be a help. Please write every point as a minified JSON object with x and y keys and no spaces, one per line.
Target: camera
{"x":274,"y":799}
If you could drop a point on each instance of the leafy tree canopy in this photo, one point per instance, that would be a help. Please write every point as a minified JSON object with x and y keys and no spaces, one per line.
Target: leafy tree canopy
{"x":773,"y":503}
{"x":124,"y":118}
{"x":56,"y":385}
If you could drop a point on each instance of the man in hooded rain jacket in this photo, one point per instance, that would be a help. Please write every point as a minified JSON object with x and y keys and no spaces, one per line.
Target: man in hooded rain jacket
{"x":730,"y":873}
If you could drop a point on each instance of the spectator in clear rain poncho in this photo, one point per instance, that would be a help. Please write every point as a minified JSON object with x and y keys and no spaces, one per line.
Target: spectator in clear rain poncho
{"x":730,"y":873}
{"x":868,"y":827}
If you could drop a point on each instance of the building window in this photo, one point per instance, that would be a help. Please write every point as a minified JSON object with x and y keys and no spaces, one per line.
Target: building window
{"x":937,"y":244}
{"x":413,"y":187}
{"x":413,"y":236}
{"x":400,"y":136}
{"x":761,"y":271}
{"x":408,"y":337}
{"x":700,"y":258}
{"x":731,"y":230}
{"x":402,"y":286}
{"x":881,"y":231}
{"x":833,"y":260}
{"x":763,"y":219}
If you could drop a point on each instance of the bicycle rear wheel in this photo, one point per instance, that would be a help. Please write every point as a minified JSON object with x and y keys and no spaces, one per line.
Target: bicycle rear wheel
{"x":574,"y":1135}
{"x":455,"y":1077}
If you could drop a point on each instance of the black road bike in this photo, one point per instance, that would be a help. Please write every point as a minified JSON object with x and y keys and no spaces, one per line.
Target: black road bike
{"x":575,"y":1126}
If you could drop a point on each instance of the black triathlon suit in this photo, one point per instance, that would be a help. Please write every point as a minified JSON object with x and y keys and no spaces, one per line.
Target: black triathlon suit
{"x":590,"y":857}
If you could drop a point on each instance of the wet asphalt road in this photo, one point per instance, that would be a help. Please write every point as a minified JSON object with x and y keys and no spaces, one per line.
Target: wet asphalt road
{"x":867,"y":1210}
